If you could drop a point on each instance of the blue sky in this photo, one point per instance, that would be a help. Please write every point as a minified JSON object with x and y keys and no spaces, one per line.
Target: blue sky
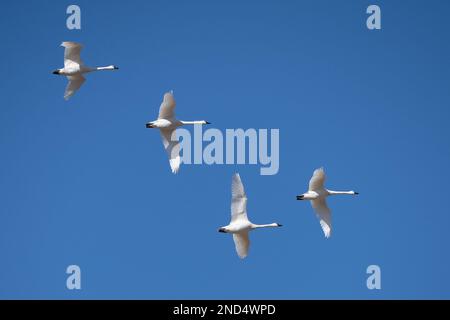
{"x":84,"y":182}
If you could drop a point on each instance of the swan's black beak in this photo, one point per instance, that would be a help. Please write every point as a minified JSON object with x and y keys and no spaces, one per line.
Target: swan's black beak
{"x":148,"y":125}
{"x":116,"y":68}
{"x":56,"y":72}
{"x":222,"y":230}
{"x":280,"y":225}
{"x":300,"y":197}
{"x":356,"y":193}
{"x":208,"y":122}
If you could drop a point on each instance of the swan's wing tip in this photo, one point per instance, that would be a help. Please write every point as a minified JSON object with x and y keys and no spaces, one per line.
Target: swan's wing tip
{"x":237,"y":187}
{"x":167,"y":107}
{"x":175,"y":164}
{"x":317,"y":180}
{"x":242,"y":243}
{"x":326,"y":229}
{"x":320,"y":170}
{"x":68,"y":44}
{"x":175,"y":169}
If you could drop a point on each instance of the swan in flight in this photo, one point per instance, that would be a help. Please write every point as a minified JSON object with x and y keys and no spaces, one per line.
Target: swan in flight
{"x":240,"y":225}
{"x":167,"y":125}
{"x":74,"y":68}
{"x":317,"y":193}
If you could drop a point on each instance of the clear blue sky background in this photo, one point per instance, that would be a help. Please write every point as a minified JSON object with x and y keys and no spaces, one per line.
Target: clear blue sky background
{"x":84,"y":182}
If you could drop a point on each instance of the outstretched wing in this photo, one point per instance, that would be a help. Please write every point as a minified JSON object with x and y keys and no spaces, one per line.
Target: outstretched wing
{"x":75,"y":82}
{"x":172,"y":146}
{"x":72,"y":54}
{"x":318,"y":179}
{"x":238,"y":199}
{"x":324,"y":214}
{"x":242,"y":243}
{"x":167,"y":108}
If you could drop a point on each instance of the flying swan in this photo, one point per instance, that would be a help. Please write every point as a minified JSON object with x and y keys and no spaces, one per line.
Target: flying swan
{"x":167,"y":125}
{"x":240,"y":225}
{"x":74,"y":68}
{"x":317,"y":193}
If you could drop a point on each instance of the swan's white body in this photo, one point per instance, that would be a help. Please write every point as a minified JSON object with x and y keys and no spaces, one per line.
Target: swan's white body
{"x":240,"y":226}
{"x":167,"y":125}
{"x":317,"y":194}
{"x":74,"y":68}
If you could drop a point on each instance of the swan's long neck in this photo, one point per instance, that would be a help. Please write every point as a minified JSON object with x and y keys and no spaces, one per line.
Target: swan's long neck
{"x":333,"y":193}
{"x":194,"y":122}
{"x":106,"y":68}
{"x":271,"y":225}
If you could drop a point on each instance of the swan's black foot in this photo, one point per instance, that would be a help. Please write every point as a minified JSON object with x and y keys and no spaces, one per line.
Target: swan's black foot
{"x":148,"y":125}
{"x":300,"y":197}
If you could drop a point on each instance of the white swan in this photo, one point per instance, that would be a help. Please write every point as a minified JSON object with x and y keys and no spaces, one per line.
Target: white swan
{"x":318,"y":194}
{"x":240,"y":225}
{"x":74,"y":68}
{"x":167,"y":124}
